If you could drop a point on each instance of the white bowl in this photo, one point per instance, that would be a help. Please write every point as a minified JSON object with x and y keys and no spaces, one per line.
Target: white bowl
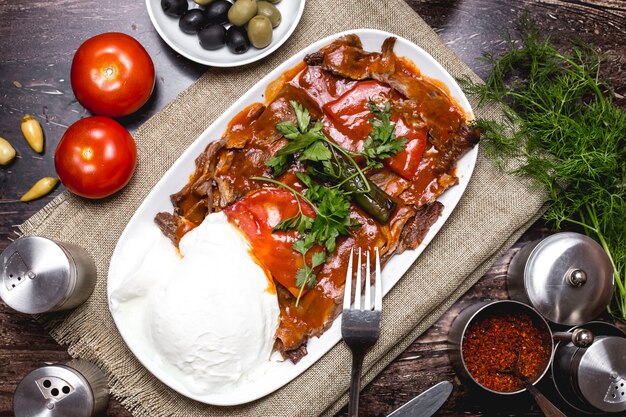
{"x":189,"y":45}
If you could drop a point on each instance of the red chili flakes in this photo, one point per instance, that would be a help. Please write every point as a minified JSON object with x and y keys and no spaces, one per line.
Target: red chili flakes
{"x":491,"y":346}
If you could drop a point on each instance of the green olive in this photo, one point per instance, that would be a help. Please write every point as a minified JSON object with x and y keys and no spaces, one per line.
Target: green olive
{"x":241,"y":12}
{"x":274,"y":1}
{"x":203,"y":2}
{"x":260,"y":31}
{"x":265,"y":8}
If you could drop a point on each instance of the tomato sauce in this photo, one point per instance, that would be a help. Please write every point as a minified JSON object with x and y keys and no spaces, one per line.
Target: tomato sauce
{"x":350,"y":114}
{"x":317,"y":308}
{"x":256,"y":216}
{"x":410,"y":177}
{"x":320,"y":86}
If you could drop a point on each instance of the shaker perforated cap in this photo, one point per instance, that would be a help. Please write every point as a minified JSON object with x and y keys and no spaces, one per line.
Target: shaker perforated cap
{"x":569,"y":278}
{"x":35,"y":275}
{"x":53,"y":391}
{"x":602,"y":374}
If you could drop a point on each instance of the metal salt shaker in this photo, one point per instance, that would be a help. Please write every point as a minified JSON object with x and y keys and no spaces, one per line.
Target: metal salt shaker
{"x":593,"y":380}
{"x":39,"y":275}
{"x":74,"y":389}
{"x":567,"y":277}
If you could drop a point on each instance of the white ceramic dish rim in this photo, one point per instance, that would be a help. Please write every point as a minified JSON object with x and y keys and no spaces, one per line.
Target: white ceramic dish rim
{"x":158,"y":200}
{"x":236,"y":58}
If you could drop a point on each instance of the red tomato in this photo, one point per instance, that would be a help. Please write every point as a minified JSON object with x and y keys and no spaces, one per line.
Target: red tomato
{"x":257,"y":215}
{"x":406,"y":163}
{"x":96,"y":157}
{"x":112,"y":75}
{"x":350,"y":116}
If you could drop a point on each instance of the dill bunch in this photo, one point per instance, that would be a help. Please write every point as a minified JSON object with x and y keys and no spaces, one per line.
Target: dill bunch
{"x":561,"y":123}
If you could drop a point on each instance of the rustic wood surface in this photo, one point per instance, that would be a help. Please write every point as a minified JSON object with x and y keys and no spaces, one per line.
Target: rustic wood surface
{"x":37,"y":42}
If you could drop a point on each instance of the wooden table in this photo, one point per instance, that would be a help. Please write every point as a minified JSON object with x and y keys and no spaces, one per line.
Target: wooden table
{"x":37,"y":42}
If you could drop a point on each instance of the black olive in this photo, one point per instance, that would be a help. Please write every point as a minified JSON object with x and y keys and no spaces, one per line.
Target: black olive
{"x":237,"y":39}
{"x":212,"y":37}
{"x":192,"y":21}
{"x":217,"y":11}
{"x":174,"y":7}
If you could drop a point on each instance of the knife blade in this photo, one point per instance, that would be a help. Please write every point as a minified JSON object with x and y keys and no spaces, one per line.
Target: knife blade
{"x":427,"y":403}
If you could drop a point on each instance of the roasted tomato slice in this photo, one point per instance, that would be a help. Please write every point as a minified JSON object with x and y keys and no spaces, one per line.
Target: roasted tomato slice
{"x":348,"y":124}
{"x":257,"y":215}
{"x":407,"y":162}
{"x":349,"y":113}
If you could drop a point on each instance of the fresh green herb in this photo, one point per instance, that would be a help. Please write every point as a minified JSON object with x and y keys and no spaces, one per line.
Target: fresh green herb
{"x":342,"y":174}
{"x":306,"y":141}
{"x":332,"y":220}
{"x":333,"y":213}
{"x":302,"y":139}
{"x":332,"y":210}
{"x":382,"y":142}
{"x":312,"y":145}
{"x":326,"y":160}
{"x":561,"y":123}
{"x":331,"y":163}
{"x":305,"y":275}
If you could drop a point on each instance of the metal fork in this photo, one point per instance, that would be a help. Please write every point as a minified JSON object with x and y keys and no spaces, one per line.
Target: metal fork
{"x":360,"y":326}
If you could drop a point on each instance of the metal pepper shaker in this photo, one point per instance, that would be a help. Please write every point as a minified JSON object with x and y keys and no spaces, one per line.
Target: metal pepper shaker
{"x":74,"y":389}
{"x":567,"y":277}
{"x":592,"y":380}
{"x":39,"y":275}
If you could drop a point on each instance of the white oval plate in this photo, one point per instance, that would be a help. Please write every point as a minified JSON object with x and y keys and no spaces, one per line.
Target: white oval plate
{"x":141,"y":229}
{"x":189,"y":46}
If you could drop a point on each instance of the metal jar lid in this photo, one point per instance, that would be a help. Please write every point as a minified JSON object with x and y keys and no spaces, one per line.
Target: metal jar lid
{"x":601,"y":375}
{"x":77,"y":389}
{"x":569,"y":278}
{"x":37,"y":275}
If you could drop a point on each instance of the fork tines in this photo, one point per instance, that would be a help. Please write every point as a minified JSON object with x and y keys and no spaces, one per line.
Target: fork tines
{"x":360,"y":325}
{"x":367,"y":302}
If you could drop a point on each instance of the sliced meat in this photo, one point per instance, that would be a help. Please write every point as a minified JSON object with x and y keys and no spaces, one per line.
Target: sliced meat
{"x":417,"y":227}
{"x":224,"y":162}
{"x":193,"y":200}
{"x":398,"y":222}
{"x":320,"y":85}
{"x":450,"y":151}
{"x":391,"y":183}
{"x":224,"y":171}
{"x":227,"y":194}
{"x":317,"y":58}
{"x":295,"y":354}
{"x":169,"y":224}
{"x":238,"y":132}
{"x":426,"y":99}
{"x":346,"y":57}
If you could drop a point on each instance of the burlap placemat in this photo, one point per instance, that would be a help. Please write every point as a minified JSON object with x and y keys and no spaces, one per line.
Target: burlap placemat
{"x":494,"y":211}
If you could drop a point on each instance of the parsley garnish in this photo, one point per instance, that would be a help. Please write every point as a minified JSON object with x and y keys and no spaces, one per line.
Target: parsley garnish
{"x":306,"y":141}
{"x":332,"y":220}
{"x":312,"y":144}
{"x":325,"y":159}
{"x":381,"y":142}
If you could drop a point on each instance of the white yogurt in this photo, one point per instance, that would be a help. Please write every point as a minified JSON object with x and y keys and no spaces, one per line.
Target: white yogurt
{"x":209,"y":316}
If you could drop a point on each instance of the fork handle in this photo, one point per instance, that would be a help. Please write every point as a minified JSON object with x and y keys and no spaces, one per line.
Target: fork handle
{"x":355,"y":383}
